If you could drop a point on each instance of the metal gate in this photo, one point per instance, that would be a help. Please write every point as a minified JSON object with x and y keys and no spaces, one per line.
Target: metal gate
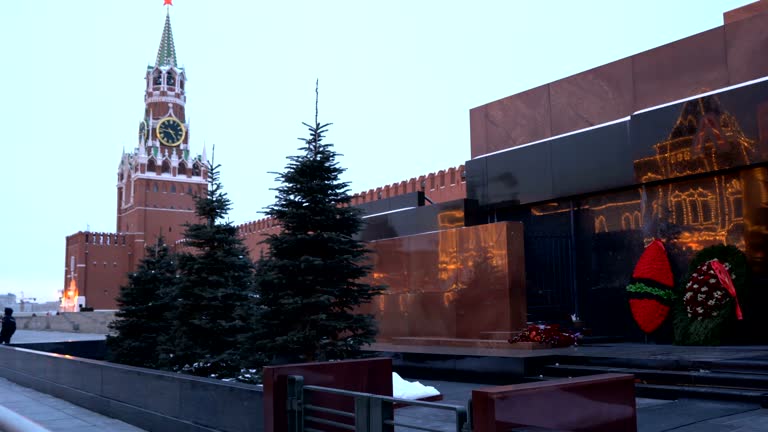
{"x":374,"y":413}
{"x":550,"y":276}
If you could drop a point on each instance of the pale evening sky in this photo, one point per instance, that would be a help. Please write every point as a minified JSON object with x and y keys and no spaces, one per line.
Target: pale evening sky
{"x":397,"y":79}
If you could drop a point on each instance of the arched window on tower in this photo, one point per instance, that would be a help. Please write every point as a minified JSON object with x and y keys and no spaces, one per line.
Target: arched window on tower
{"x":196,"y":169}
{"x":181,"y":84}
{"x":182,"y":168}
{"x":173,"y":188}
{"x":170,"y":79}
{"x":155,"y":188}
{"x":151,"y":167}
{"x":166,"y":169}
{"x":157,"y":78}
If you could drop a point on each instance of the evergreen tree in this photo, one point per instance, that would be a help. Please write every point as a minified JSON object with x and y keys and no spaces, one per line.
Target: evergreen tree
{"x":311,"y":280}
{"x":141,"y":321}
{"x":215,"y":277}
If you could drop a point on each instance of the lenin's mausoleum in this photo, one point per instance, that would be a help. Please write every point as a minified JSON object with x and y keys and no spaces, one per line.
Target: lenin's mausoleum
{"x":567,"y":184}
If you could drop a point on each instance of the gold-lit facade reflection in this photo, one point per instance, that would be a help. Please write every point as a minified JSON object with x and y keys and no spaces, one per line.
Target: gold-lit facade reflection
{"x":704,"y":139}
{"x":697,"y":211}
{"x":458,"y":282}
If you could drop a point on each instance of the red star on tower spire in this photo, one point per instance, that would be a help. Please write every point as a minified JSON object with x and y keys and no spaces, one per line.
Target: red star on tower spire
{"x":167,"y":2}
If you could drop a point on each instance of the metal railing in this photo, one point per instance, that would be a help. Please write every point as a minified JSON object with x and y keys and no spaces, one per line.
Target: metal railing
{"x":371,"y":413}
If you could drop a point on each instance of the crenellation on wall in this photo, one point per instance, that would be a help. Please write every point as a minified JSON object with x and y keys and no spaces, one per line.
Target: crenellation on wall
{"x":444,"y":185}
{"x":101,"y":238}
{"x":259,"y":226}
{"x":253,"y":234}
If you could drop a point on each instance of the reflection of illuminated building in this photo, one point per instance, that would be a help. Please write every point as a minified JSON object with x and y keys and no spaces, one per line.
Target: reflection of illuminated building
{"x":448,"y":258}
{"x":704,"y":139}
{"x":707,"y":210}
{"x":70,"y":297}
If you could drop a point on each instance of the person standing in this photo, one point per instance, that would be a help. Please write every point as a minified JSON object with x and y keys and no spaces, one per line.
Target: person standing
{"x":9,"y":326}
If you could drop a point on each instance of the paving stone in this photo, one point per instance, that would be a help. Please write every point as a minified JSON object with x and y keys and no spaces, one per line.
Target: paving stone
{"x":55,"y":414}
{"x":686,"y":412}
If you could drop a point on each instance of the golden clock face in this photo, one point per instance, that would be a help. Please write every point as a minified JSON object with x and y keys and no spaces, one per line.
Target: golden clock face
{"x":170,"y":131}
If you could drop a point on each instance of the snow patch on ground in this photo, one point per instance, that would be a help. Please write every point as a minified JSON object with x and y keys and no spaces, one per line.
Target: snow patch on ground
{"x":402,"y":389}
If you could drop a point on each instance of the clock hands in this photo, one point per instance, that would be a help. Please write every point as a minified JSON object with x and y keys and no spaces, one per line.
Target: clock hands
{"x":171,"y":132}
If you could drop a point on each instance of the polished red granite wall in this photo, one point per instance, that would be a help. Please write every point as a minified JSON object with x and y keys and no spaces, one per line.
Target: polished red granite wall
{"x":366,"y":376}
{"x":727,"y":55}
{"x":746,"y":11}
{"x":597,"y":403}
{"x":454,"y":283}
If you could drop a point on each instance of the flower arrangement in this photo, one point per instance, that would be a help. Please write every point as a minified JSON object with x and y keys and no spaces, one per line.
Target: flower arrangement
{"x":705,"y":294}
{"x":713,"y":292}
{"x":550,"y":334}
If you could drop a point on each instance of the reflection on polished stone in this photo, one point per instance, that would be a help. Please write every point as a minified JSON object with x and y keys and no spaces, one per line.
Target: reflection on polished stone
{"x":705,"y":138}
{"x":454,"y":283}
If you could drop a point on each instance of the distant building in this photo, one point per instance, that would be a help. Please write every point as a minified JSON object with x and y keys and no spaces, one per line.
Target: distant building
{"x":8,"y":300}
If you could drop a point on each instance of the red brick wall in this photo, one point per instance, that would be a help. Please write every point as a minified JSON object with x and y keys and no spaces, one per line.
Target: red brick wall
{"x":253,"y":234}
{"x":102,"y":262}
{"x":159,"y":212}
{"x":442,"y":186}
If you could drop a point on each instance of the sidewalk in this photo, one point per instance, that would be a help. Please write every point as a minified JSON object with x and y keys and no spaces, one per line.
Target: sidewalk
{"x":55,"y":414}
{"x":52,"y":413}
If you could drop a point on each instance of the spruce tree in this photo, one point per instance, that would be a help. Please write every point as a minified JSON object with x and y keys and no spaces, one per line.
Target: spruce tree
{"x":215,"y":276}
{"x":143,"y":307}
{"x":311,"y":279}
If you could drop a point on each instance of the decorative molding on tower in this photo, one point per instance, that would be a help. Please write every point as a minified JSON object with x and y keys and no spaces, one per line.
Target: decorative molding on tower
{"x":151,"y":160}
{"x":166,"y":53}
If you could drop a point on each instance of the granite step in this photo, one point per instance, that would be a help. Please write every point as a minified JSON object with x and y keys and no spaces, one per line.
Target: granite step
{"x":750,"y":366}
{"x":674,"y":392}
{"x":467,"y":343}
{"x":499,"y":335}
{"x":675,"y":377}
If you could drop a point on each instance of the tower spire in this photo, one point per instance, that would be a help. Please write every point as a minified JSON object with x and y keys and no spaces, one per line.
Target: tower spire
{"x":166,"y":54}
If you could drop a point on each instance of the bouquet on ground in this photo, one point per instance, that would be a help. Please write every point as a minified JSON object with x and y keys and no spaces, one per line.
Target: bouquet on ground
{"x":550,"y":334}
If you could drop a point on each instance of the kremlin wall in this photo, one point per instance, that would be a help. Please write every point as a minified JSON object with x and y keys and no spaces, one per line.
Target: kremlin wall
{"x":567,"y":183}
{"x":442,"y":186}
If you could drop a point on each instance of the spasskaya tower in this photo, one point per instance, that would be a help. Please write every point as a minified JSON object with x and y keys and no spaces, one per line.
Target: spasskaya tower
{"x":157,"y":181}
{"x":156,"y":186}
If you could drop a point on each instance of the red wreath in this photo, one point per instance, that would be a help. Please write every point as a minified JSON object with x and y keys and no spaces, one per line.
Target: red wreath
{"x":650,"y":292}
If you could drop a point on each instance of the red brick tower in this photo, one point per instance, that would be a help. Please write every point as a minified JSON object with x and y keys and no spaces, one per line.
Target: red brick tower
{"x":157,"y":181}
